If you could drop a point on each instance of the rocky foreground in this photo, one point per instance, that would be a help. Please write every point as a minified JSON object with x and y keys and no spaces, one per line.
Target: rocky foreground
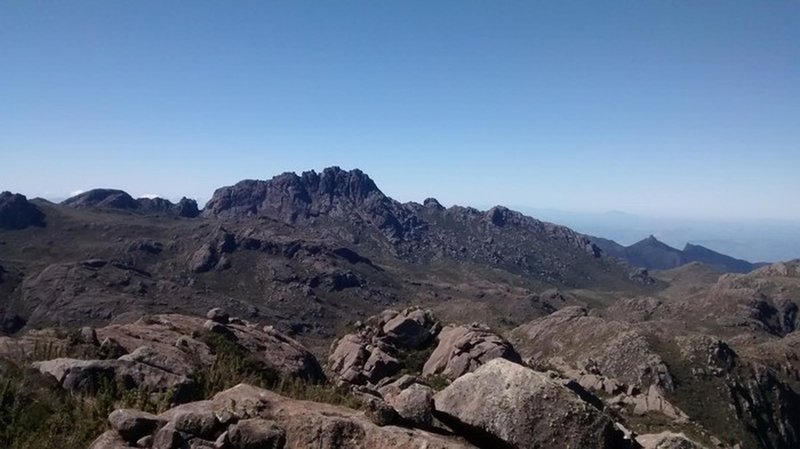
{"x":413,"y":382}
{"x":572,"y":349}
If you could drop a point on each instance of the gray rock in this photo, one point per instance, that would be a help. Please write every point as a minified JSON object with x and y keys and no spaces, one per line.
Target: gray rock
{"x":358,"y":360}
{"x":256,"y":433}
{"x":410,"y":328}
{"x":200,"y":423}
{"x":89,"y":375}
{"x":414,"y":405}
{"x":463,"y":349}
{"x":204,"y":259}
{"x":109,"y":440}
{"x":167,"y":438}
{"x":133,"y":424}
{"x":520,"y":407}
{"x":380,"y":413}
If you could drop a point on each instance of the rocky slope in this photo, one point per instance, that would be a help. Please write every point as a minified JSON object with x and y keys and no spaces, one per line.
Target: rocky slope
{"x":307,"y":252}
{"x":17,"y":213}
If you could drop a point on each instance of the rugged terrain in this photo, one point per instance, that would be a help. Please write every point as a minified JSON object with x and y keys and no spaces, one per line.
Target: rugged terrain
{"x":522,"y":333}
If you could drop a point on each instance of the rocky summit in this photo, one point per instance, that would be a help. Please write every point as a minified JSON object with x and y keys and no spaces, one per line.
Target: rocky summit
{"x":314,"y":311}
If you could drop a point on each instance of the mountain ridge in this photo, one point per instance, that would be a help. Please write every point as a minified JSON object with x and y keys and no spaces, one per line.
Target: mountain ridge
{"x":651,"y":253}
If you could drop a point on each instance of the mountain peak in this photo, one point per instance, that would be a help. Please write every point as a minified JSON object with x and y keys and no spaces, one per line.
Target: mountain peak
{"x":16,"y":212}
{"x":290,"y":196}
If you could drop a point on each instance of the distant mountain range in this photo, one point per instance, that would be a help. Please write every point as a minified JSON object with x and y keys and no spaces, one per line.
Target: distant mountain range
{"x":651,"y":253}
{"x":753,"y":239}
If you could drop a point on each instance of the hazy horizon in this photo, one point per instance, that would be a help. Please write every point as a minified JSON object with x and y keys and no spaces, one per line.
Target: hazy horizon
{"x":678,"y":109}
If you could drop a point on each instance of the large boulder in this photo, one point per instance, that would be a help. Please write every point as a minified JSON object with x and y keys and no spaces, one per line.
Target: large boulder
{"x":410,"y":328}
{"x":251,"y":417}
{"x":413,"y":404}
{"x":173,"y":342}
{"x":462,"y":349}
{"x":17,"y":213}
{"x":508,"y":404}
{"x":91,"y":375}
{"x":358,"y":359}
{"x":256,"y":433}
{"x":132,"y":425}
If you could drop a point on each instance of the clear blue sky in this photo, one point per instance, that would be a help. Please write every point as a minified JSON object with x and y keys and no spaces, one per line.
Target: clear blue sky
{"x":674,"y":108}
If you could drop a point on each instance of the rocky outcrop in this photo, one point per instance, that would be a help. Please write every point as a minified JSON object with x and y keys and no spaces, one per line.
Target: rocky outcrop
{"x":89,"y":376}
{"x":246,"y":417}
{"x":616,"y":349}
{"x":162,"y":353}
{"x":186,"y":207}
{"x":462,"y":349}
{"x":102,"y":198}
{"x":17,"y":213}
{"x":175,"y":338}
{"x":118,"y":199}
{"x":506,"y":404}
{"x":372,"y":353}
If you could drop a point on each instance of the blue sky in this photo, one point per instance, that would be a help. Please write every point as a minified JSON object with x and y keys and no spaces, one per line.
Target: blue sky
{"x":667,"y":108}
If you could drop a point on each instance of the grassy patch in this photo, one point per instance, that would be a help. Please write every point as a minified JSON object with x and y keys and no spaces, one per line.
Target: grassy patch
{"x":235,"y":365}
{"x":36,"y":413}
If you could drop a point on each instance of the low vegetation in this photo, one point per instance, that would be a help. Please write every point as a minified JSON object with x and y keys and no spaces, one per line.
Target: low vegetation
{"x":35,"y":413}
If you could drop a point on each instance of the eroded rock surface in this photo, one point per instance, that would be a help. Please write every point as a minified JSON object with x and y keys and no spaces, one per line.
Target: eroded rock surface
{"x":462,"y":349}
{"x":514,"y":406}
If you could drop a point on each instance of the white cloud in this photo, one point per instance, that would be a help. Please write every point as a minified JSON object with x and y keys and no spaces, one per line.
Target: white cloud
{"x":75,"y":193}
{"x":150,"y":195}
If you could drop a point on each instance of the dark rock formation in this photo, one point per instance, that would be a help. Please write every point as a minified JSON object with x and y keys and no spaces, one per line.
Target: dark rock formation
{"x":118,"y":199}
{"x":102,"y":198}
{"x":17,"y":213}
{"x":186,"y":208}
{"x":650,"y":253}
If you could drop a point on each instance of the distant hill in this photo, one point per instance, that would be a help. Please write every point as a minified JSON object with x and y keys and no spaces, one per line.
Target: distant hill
{"x":651,"y":253}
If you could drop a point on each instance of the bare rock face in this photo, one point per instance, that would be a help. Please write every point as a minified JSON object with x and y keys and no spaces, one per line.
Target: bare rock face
{"x":17,"y":213}
{"x":248,"y":417}
{"x":514,"y":406}
{"x":462,"y":349}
